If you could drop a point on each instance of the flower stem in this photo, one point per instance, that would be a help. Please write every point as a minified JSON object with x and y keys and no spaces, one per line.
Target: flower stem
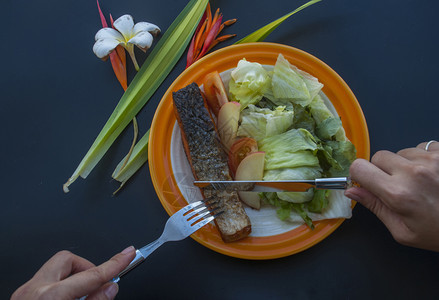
{"x":130,"y":49}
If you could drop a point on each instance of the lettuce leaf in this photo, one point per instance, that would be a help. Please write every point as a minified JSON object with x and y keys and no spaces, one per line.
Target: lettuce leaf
{"x":294,"y":148}
{"x":319,"y":201}
{"x":294,"y":174}
{"x":329,"y":128}
{"x":344,"y":153}
{"x":248,"y":83}
{"x":260,"y":123}
{"x":321,"y":112}
{"x":288,"y":84}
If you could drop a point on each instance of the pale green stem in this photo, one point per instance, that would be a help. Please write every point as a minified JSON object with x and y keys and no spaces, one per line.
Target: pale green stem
{"x":130,"y":49}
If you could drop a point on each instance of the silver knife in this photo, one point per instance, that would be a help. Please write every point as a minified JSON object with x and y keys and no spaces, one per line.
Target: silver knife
{"x":338,"y":183}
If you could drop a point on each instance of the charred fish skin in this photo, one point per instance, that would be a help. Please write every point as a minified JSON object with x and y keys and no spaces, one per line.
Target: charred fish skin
{"x":208,"y":160}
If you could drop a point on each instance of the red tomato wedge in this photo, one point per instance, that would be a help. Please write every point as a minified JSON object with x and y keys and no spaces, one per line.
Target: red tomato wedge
{"x":215,"y":91}
{"x":239,"y":150}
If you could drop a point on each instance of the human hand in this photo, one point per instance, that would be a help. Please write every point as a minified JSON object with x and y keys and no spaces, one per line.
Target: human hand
{"x":402,"y":189}
{"x":68,"y":276}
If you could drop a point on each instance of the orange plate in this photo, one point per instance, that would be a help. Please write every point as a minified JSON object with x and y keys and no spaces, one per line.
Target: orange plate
{"x":224,"y":59}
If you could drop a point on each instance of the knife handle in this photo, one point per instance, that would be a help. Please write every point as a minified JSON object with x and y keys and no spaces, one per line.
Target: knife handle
{"x":338,"y":183}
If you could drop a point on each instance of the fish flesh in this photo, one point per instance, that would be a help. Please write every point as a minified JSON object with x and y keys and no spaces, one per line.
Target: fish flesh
{"x":208,"y":159}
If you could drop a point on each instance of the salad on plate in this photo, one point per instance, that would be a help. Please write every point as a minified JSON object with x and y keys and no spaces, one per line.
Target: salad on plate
{"x":281,"y":111}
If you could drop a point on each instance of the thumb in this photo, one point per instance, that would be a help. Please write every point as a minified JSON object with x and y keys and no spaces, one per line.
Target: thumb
{"x":390,"y":218}
{"x":107,"y":292}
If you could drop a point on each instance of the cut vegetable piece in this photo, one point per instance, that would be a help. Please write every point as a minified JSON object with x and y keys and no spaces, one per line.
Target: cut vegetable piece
{"x":239,"y":150}
{"x":251,"y":168}
{"x":215,"y":91}
{"x":155,"y":69}
{"x":228,"y":118}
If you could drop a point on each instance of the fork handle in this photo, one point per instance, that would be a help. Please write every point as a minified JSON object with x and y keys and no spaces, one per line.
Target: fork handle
{"x":141,"y":255}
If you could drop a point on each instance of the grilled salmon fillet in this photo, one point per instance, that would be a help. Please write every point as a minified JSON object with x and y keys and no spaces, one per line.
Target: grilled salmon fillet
{"x":208,"y":160}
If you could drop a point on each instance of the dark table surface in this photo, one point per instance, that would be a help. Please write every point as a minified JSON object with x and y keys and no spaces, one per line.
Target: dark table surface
{"x":56,"y":96}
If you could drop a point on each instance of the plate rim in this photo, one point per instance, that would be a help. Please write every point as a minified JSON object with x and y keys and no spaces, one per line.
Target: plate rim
{"x":226,"y":58}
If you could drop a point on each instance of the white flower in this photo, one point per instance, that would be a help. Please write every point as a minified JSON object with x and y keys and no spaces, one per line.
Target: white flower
{"x":126,"y":34}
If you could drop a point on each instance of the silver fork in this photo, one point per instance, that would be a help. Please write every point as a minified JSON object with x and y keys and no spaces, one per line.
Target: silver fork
{"x":179,"y":226}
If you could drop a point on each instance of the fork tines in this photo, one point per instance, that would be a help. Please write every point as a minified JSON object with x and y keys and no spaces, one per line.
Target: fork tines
{"x":203,"y":211}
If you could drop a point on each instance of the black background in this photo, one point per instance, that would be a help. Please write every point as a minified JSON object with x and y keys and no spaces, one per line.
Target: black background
{"x":56,"y":96}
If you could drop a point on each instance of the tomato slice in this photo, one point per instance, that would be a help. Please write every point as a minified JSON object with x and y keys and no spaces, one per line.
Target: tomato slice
{"x":215,"y":91}
{"x":239,"y":150}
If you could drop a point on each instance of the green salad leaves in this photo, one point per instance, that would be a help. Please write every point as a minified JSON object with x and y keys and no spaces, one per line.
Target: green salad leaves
{"x":283,"y":110}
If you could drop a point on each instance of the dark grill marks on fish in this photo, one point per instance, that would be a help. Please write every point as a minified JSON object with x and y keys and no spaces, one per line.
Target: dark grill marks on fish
{"x":208,"y":160}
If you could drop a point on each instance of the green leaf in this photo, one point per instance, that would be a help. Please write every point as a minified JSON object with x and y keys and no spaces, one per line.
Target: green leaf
{"x":156,"y":68}
{"x":137,"y":158}
{"x":260,"y":34}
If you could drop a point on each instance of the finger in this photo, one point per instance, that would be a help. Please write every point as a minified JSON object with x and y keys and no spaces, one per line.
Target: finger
{"x":61,"y":265}
{"x":107,"y":291}
{"x":87,"y":282}
{"x":388,"y":161}
{"x":369,"y":176}
{"x":434,"y":146}
{"x":413,"y":154}
{"x":390,"y":218}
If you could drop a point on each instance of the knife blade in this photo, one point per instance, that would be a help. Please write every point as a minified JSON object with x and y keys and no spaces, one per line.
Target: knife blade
{"x":338,"y":183}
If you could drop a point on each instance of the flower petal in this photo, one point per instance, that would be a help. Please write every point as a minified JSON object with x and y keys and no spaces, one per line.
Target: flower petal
{"x":103,"y":47}
{"x":109,"y":33}
{"x":143,"y":40}
{"x":124,"y":25}
{"x":145,"y":26}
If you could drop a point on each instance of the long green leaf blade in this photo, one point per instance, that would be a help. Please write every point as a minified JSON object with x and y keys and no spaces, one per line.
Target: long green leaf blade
{"x":157,"y":66}
{"x":260,"y":34}
{"x":138,"y":157}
